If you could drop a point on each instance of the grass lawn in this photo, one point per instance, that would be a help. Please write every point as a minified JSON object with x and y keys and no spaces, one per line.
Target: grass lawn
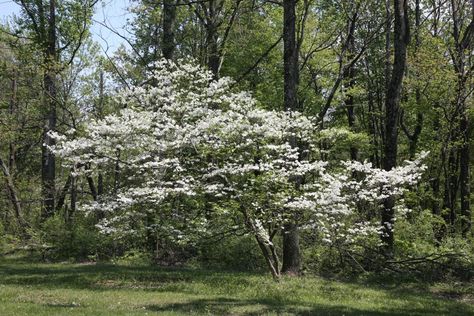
{"x":86,"y":289}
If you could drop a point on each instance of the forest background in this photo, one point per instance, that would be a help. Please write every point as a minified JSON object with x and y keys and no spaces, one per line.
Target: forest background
{"x":380,"y":81}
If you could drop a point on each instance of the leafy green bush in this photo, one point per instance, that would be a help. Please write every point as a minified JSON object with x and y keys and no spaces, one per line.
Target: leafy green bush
{"x":76,"y":240}
{"x":133,"y":258}
{"x":236,"y":253}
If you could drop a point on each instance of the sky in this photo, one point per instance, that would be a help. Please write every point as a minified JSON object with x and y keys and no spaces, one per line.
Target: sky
{"x":113,"y":13}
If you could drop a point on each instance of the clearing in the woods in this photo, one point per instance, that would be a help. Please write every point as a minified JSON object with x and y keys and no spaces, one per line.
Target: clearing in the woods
{"x":96,"y":289}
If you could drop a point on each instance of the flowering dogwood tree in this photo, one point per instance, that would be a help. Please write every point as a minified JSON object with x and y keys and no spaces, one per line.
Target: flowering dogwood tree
{"x":194,"y":149}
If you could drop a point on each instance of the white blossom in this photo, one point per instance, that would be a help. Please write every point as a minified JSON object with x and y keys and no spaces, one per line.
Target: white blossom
{"x":181,"y":134}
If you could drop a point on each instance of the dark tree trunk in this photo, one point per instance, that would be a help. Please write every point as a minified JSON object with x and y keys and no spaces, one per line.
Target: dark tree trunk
{"x":461,"y":118}
{"x":169,"y":19}
{"x":451,"y":188}
{"x":375,"y":158}
{"x":354,"y":152}
{"x":436,"y":172}
{"x":464,"y":156}
{"x":464,"y":176}
{"x":388,"y":44}
{"x":435,"y":181}
{"x":414,"y":137}
{"x":100,"y":184}
{"x":290,"y":57}
{"x":416,"y":133}
{"x":92,"y":188}
{"x":7,"y":170}
{"x":117,"y":173}
{"x":291,"y":249}
{"x":373,"y":118}
{"x":212,"y":14}
{"x":100,"y":191}
{"x":100,"y":113}
{"x":392,"y":108}
{"x":73,"y":201}
{"x":464,"y":151}
{"x":48,"y":161}
{"x":62,"y":195}
{"x":12,"y":109}
{"x":213,"y":55}
{"x":349,"y":101}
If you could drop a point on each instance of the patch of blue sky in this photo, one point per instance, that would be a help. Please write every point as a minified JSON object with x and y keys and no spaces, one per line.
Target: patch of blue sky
{"x":109,"y":25}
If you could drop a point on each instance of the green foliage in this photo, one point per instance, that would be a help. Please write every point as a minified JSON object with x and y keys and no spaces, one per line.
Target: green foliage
{"x":236,"y":253}
{"x":430,"y":256}
{"x":133,"y":258}
{"x":338,"y":141}
{"x":2,"y":238}
{"x":416,"y":236}
{"x":74,"y":241}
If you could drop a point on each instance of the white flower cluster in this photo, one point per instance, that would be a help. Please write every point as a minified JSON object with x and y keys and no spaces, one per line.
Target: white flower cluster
{"x":182,"y":135}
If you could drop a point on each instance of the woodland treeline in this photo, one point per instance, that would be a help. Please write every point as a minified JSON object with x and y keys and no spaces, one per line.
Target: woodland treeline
{"x":382,"y":81}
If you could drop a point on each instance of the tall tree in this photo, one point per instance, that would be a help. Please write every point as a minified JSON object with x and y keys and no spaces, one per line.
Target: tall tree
{"x":291,"y":248}
{"x":401,"y":40}
{"x":48,"y":161}
{"x":169,"y":21}
{"x":41,"y":21}
{"x":414,"y":136}
{"x":460,"y":62}
{"x":212,"y":15}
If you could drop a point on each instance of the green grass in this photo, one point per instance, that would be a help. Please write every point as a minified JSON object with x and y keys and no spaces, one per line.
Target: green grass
{"x":75,"y":289}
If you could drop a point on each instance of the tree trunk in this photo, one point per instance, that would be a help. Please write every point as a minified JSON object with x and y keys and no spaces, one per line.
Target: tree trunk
{"x":268,"y":254}
{"x":436,"y":170}
{"x":169,"y":19}
{"x":464,"y":176}
{"x":100,"y":110}
{"x":12,"y":109}
{"x":290,"y":57}
{"x":373,"y":119}
{"x":464,"y":126}
{"x":73,"y":201}
{"x":349,"y":101}
{"x":388,"y":44}
{"x":92,"y":187}
{"x":100,"y":184}
{"x":62,"y":194}
{"x":213,"y":56}
{"x":212,"y":14}
{"x":451,"y":188}
{"x":291,"y":249}
{"x":461,"y":110}
{"x":117,"y":173}
{"x":392,"y":108}
{"x":22,"y":225}
{"x":48,"y":161}
{"x":436,"y":180}
{"x":414,"y":137}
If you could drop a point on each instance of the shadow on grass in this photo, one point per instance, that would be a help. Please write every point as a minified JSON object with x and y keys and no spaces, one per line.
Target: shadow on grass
{"x":107,"y":276}
{"x":226,"y":306}
{"x":71,"y":305}
{"x":225,"y":288}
